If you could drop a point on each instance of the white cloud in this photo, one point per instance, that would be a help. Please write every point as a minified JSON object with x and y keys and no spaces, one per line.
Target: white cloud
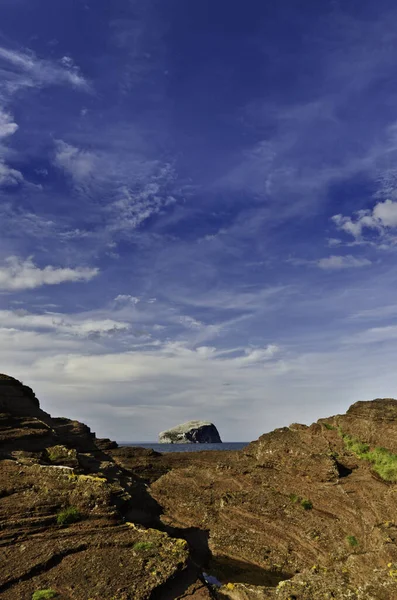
{"x":75,"y":360}
{"x":79,"y":164}
{"x":9,"y":176}
{"x":258,"y":355}
{"x":33,"y":71}
{"x":172,"y":358}
{"x":22,"y":275}
{"x":381,"y":218}
{"x":190,"y":322}
{"x":342,"y":262}
{"x":132,"y":208}
{"x":67,"y":61}
{"x":157,"y":387}
{"x":126,"y":299}
{"x":386,"y":213}
{"x":26,"y":223}
{"x":7,"y":124}
{"x":20,"y":70}
{"x":374,"y":335}
{"x":334,"y":242}
{"x":79,"y":325}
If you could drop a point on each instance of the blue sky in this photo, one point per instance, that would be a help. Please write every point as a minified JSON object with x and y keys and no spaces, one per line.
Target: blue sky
{"x":198,"y":206}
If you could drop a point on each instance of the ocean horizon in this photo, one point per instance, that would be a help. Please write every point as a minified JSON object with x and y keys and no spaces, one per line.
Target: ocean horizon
{"x":224,"y":446}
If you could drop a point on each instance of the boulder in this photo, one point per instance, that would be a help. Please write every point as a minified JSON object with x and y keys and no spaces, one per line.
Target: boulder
{"x":192,"y":432}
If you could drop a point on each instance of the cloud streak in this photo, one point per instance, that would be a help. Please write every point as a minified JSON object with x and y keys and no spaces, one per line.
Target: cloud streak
{"x":335,"y":263}
{"x":17,"y":274}
{"x":26,"y":70}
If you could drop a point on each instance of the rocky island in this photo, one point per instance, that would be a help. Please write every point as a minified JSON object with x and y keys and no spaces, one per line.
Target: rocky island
{"x":302,"y":513}
{"x":192,"y":432}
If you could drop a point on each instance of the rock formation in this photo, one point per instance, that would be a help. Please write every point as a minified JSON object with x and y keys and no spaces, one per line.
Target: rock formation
{"x":303,"y":513}
{"x":192,"y":432}
{"x":65,"y":507}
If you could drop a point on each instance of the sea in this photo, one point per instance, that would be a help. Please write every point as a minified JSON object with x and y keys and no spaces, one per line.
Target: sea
{"x":186,"y":447}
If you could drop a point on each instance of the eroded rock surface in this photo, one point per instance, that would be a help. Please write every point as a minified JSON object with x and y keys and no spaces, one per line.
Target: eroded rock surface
{"x":63,"y":523}
{"x":300,"y":514}
{"x":192,"y":432}
{"x":297,"y":514}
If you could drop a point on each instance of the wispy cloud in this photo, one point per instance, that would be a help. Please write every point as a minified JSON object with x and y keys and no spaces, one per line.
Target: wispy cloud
{"x":378,"y":313}
{"x":196,"y":200}
{"x":374,"y":335}
{"x":79,"y":164}
{"x":24,"y":69}
{"x":134,"y":204}
{"x":334,"y":262}
{"x":18,"y":274}
{"x":8,"y":175}
{"x":7,"y":124}
{"x":79,"y":326}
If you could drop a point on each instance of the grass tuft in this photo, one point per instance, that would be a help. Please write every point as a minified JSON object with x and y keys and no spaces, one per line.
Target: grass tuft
{"x":141,"y":546}
{"x":352,"y":540}
{"x":384,"y":462}
{"x":44,"y":594}
{"x":329,"y":426}
{"x":307,"y":504}
{"x":68,"y":516}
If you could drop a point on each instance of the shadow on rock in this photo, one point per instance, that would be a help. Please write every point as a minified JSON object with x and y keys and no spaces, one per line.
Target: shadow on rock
{"x":230,"y":570}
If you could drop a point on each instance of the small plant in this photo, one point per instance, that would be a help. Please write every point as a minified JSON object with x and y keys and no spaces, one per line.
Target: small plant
{"x":306,"y":504}
{"x":140,"y":546}
{"x":68,"y":516}
{"x":44,"y":594}
{"x":352,"y":540}
{"x":294,"y":498}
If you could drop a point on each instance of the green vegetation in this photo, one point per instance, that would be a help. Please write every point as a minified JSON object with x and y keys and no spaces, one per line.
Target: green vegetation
{"x":44,"y":594}
{"x":352,"y":540}
{"x":143,"y":546}
{"x":306,"y":504}
{"x":384,"y":462}
{"x":353,"y":444}
{"x":68,"y":516}
{"x":56,"y":453}
{"x":329,"y":426}
{"x":294,"y":498}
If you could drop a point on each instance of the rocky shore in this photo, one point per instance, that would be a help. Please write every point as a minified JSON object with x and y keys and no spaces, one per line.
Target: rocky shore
{"x":302,"y":513}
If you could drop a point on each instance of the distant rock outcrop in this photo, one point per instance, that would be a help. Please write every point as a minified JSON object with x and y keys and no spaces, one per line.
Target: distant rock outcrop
{"x":192,"y":432}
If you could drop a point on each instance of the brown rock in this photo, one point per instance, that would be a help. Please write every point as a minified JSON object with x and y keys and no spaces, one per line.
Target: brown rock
{"x":62,"y":500}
